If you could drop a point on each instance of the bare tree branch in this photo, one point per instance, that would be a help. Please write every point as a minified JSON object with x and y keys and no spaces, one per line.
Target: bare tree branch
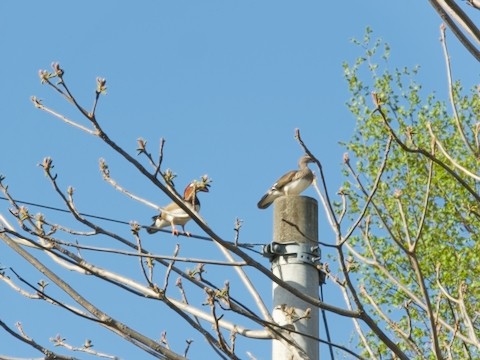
{"x":448,"y":9}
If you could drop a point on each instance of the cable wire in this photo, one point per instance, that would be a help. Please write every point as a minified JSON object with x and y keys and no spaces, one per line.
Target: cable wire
{"x":66,"y":211}
{"x":246,"y":246}
{"x":327,"y":331}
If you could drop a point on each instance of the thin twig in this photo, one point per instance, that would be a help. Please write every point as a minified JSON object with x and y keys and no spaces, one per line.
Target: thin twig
{"x":42,"y":107}
{"x":443,"y":40}
{"x":428,"y":155}
{"x":421,"y":224}
{"x":48,"y":354}
{"x":330,"y":212}
{"x":393,"y":325}
{"x":372,"y":191}
{"x":170,"y":266}
{"x":451,"y":159}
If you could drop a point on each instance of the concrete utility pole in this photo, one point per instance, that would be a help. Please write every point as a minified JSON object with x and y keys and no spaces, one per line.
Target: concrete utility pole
{"x":294,"y":253}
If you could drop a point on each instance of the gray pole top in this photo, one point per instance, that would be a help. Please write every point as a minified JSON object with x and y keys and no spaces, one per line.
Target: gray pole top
{"x":295,"y":218}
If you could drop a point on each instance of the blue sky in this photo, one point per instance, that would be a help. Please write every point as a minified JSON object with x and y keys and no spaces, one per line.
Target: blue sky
{"x":225,"y":83}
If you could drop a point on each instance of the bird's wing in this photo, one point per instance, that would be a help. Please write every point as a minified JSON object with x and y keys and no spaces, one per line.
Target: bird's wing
{"x":284,"y":180}
{"x":276,"y":190}
{"x":172,"y":207}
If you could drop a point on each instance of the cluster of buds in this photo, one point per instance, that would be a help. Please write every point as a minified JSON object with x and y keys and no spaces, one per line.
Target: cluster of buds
{"x":199,"y":270}
{"x":47,"y":164}
{"x":104,"y":168}
{"x":23,"y":213}
{"x":223,"y":293}
{"x":101,"y":86}
{"x":397,"y":193}
{"x":58,"y":340}
{"x":169,"y":175}
{"x":57,"y":70}
{"x":203,"y":183}
{"x":135,"y":228}
{"x":45,"y":75}
{"x":142,"y":146}
{"x":42,"y":284}
{"x":36,"y":102}
{"x":377,"y":99}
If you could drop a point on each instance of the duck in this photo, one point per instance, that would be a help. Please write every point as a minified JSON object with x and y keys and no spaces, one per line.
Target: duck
{"x":173,"y":214}
{"x":293,"y":182}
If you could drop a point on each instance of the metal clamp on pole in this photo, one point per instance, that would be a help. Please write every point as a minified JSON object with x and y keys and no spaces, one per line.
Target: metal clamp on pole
{"x":302,"y":253}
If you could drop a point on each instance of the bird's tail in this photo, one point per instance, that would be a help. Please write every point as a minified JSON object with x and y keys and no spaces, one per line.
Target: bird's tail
{"x":266,"y":200}
{"x":151,"y":229}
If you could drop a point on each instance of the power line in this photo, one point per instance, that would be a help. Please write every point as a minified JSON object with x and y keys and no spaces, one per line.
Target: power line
{"x":66,"y":211}
{"x":243,"y":245}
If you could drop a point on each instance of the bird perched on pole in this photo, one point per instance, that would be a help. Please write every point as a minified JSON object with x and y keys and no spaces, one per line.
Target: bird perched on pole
{"x":172,"y":214}
{"x":291,"y":183}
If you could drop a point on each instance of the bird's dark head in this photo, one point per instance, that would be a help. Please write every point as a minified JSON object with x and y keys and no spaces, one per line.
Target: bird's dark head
{"x":203,"y":188}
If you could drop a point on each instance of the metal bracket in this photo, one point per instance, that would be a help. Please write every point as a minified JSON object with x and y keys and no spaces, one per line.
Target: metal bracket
{"x":303,"y":253}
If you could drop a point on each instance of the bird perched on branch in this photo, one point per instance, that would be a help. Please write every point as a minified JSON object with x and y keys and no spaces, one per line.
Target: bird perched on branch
{"x":172,"y":214}
{"x":292,"y":183}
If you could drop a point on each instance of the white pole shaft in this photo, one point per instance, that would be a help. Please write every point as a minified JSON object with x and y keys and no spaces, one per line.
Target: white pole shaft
{"x":295,"y":221}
